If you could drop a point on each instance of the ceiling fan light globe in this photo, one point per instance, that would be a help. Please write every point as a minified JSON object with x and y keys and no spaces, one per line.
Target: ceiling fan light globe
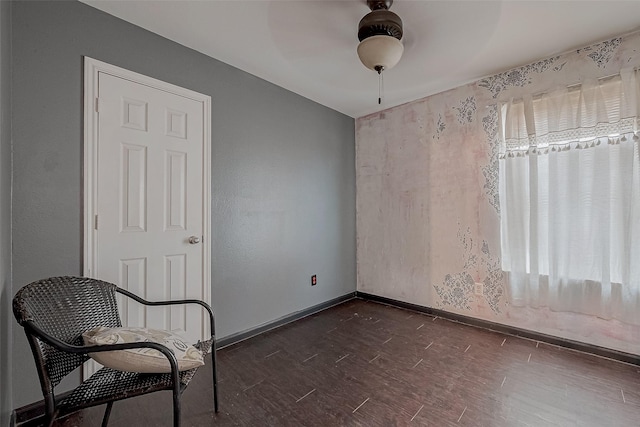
{"x":380,"y":51}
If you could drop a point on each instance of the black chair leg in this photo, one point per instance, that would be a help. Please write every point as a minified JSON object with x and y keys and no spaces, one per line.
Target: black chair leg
{"x":50,"y":405}
{"x":215,"y":379}
{"x":176,"y":408}
{"x":107,"y":412}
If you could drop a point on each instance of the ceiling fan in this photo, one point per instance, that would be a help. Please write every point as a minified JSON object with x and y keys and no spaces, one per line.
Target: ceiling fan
{"x":380,"y":34}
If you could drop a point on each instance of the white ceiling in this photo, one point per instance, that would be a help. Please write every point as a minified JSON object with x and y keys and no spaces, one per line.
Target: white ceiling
{"x":309,"y":46}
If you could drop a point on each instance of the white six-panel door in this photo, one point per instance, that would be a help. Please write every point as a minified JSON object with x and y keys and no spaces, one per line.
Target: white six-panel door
{"x":147,"y":174}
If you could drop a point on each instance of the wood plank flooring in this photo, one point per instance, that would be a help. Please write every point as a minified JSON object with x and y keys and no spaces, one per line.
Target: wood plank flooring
{"x":367,"y":364}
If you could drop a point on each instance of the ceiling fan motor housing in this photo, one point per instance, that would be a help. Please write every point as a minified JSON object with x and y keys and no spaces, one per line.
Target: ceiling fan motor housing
{"x":380,"y":21}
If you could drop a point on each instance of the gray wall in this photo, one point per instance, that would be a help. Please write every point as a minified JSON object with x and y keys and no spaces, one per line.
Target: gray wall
{"x":283,"y":170}
{"x":5,"y":213}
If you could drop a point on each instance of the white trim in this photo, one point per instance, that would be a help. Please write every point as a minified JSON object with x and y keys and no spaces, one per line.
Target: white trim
{"x":92,"y":68}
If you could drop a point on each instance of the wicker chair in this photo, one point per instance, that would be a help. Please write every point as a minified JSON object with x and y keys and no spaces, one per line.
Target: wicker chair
{"x":56,"y":311}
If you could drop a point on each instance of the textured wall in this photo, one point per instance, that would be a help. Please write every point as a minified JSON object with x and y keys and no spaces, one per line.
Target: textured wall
{"x":6,"y":318}
{"x":283,"y":170}
{"x":427,"y":205}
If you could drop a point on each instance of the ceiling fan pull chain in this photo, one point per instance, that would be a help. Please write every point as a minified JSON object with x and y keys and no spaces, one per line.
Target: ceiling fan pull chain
{"x":380,"y":83}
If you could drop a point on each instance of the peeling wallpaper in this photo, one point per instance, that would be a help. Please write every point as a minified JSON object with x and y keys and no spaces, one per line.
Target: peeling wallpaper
{"x":427,"y":208}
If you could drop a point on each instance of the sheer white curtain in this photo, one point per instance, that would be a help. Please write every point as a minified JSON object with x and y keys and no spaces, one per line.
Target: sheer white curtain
{"x":570,"y":199}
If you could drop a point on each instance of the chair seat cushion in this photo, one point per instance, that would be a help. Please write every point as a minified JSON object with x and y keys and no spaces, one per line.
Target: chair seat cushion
{"x":145,"y":360}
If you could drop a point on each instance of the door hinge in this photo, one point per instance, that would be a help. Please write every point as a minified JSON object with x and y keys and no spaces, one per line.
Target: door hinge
{"x":95,"y":222}
{"x":97,"y":106}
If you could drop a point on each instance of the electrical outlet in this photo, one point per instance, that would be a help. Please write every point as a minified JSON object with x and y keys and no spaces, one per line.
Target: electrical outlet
{"x":479,"y":288}
{"x":314,"y":280}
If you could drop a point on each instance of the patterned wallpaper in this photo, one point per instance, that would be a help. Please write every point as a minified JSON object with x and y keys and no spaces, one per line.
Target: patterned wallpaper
{"x":427,"y":197}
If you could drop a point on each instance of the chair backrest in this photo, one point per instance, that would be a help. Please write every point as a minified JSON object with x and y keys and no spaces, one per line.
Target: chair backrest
{"x":63,"y":307}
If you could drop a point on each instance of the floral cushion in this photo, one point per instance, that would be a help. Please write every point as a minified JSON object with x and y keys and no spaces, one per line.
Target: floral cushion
{"x":145,"y":360}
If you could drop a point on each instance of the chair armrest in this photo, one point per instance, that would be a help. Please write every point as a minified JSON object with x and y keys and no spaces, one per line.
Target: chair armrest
{"x":172,"y":302}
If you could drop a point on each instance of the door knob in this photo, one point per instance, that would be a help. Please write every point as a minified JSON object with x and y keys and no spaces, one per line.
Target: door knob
{"x":194,"y":240}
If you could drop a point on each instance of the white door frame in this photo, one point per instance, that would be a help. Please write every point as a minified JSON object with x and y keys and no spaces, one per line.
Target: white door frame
{"x":91,"y":69}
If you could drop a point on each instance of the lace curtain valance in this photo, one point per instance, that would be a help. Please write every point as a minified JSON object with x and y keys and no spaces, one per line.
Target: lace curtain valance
{"x":572,"y":118}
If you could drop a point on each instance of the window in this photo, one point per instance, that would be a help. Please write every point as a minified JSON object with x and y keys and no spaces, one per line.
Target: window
{"x":570,"y":199}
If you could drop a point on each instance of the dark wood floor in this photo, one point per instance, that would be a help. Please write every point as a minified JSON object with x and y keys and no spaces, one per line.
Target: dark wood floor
{"x":366,"y":364}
